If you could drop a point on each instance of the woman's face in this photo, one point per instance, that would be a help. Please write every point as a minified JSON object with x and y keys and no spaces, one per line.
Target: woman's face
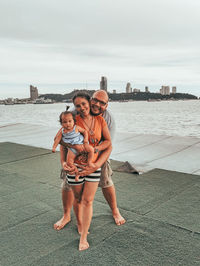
{"x":82,"y":106}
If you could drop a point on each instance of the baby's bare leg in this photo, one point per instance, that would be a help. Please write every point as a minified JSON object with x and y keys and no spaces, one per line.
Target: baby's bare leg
{"x":57,"y":140}
{"x":70,"y":161}
{"x":90,"y":150}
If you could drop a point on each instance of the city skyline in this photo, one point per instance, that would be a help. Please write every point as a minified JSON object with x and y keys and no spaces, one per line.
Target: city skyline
{"x":68,"y":46}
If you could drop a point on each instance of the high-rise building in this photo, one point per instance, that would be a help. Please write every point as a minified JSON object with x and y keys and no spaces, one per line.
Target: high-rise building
{"x":136,"y":90}
{"x":146,"y":89}
{"x":165,"y":90}
{"x":114,"y":91}
{"x":33,"y":92}
{"x":128,"y":88}
{"x":173,"y":89}
{"x":103,"y":84}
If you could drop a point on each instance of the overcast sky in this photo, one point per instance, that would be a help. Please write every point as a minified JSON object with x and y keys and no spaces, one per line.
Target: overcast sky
{"x":60,"y":45}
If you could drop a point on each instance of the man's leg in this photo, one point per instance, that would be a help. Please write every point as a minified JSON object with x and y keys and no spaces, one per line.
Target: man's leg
{"x":110,"y":196}
{"x":67,"y":200}
{"x":109,"y":192}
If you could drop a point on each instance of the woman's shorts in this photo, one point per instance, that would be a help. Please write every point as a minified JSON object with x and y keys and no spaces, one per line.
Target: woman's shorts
{"x":105,"y":178}
{"x":94,"y":177}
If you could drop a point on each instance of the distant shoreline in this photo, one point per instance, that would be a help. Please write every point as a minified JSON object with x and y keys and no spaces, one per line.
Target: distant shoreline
{"x":113,"y":97}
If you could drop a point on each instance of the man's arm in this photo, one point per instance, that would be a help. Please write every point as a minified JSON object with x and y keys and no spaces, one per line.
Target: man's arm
{"x":106,"y":139}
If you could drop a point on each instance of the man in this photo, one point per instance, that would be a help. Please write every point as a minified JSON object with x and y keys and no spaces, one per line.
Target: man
{"x":98,"y":104}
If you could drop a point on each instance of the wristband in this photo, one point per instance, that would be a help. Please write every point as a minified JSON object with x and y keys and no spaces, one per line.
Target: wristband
{"x":96,"y":150}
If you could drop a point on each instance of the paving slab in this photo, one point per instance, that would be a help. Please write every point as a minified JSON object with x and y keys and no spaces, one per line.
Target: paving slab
{"x":10,"y":152}
{"x":186,"y":160}
{"x":28,"y":134}
{"x":161,"y":208}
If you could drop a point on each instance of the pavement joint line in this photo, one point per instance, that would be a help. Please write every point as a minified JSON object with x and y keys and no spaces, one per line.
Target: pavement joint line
{"x":146,"y":145}
{"x":164,"y":156}
{"x":21,"y":222}
{"x":23,"y":159}
{"x":176,"y":226}
{"x":196,"y":171}
{"x":173,"y":195}
{"x":120,"y":208}
{"x":11,"y":125}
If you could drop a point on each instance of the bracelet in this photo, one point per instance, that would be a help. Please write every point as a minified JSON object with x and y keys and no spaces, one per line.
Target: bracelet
{"x":96,"y":150}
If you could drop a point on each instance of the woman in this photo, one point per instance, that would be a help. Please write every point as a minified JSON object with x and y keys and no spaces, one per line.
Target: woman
{"x":84,"y":195}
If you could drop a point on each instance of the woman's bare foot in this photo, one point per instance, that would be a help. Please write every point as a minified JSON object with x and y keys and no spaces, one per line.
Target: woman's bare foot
{"x":83,"y":245}
{"x":119,"y":220}
{"x":62,"y":222}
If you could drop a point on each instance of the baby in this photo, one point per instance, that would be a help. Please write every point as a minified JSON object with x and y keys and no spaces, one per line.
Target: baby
{"x":77,"y":137}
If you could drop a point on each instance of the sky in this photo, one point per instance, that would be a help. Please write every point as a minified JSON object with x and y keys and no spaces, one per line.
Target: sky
{"x":62,"y":45}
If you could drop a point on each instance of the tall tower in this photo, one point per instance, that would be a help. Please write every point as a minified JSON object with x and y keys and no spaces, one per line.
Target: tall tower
{"x":128,"y":88}
{"x":103,"y":84}
{"x":173,"y":89}
{"x":165,"y":90}
{"x":33,"y":92}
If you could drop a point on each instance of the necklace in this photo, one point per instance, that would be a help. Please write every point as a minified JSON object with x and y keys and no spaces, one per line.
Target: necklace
{"x":89,"y":128}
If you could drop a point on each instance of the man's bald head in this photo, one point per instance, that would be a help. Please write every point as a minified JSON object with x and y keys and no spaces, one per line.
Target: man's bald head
{"x":101,"y":94}
{"x":99,"y":102}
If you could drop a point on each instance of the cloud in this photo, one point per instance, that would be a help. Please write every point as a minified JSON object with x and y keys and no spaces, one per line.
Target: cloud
{"x":69,"y":42}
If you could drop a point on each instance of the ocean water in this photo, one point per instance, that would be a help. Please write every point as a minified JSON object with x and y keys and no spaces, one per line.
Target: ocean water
{"x":173,"y":118}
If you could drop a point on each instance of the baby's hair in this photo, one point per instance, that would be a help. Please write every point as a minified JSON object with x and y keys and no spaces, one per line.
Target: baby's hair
{"x":66,"y":113}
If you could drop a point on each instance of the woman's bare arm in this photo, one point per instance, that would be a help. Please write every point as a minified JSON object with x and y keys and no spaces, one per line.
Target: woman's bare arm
{"x":84,"y":132}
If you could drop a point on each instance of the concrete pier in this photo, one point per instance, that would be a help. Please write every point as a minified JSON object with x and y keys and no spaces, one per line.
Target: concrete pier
{"x":161,"y":206}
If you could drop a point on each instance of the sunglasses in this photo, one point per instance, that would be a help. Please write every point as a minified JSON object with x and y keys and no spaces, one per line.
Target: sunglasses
{"x":98,"y":101}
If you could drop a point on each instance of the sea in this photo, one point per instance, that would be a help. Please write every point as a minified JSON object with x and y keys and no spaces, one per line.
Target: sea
{"x":172,"y":118}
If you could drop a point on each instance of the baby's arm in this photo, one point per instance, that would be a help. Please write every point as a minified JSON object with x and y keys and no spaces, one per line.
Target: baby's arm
{"x":57,"y":140}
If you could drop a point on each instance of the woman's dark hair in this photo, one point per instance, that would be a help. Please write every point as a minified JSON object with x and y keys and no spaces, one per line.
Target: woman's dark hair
{"x":82,"y":94}
{"x":66,"y":113}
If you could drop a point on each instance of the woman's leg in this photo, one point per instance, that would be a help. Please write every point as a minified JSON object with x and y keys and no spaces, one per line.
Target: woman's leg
{"x":77,"y":190}
{"x":88,"y":194}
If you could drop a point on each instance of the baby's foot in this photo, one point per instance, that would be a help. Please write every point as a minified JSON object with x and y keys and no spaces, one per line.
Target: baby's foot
{"x":77,"y":178}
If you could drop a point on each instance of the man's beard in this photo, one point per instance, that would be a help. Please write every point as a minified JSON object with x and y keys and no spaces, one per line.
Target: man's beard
{"x":95,"y":114}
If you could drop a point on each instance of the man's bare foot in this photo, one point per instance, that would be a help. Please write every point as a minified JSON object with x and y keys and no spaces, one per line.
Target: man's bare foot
{"x":62,"y":222}
{"x":79,"y":228}
{"x":119,"y":220}
{"x":83,"y":245}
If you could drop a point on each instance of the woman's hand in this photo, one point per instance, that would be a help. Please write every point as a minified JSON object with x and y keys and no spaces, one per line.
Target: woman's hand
{"x":87,"y":170}
{"x":70,"y":170}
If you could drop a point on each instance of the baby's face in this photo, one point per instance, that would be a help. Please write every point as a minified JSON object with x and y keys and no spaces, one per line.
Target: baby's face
{"x":68,"y":121}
